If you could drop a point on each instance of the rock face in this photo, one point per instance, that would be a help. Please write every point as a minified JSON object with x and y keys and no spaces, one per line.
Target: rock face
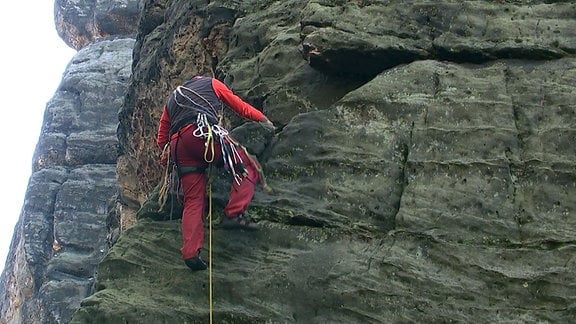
{"x":81,"y":22}
{"x":423,"y":169}
{"x":63,"y":231}
{"x":69,"y":217}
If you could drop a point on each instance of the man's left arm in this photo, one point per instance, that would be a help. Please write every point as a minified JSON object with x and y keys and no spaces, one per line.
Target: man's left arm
{"x":163,"y":136}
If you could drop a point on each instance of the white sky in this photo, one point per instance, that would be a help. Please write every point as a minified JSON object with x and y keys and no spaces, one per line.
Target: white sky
{"x":32,"y":60}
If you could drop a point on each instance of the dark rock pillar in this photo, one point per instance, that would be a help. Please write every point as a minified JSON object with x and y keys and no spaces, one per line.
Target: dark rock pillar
{"x":62,"y":233}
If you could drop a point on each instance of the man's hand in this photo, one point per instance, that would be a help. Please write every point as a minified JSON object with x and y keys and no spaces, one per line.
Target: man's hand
{"x":164,"y":156}
{"x":267,"y":124}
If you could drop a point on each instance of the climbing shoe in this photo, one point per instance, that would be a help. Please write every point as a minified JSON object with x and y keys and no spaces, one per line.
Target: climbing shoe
{"x":195,"y":263}
{"x":239,"y":222}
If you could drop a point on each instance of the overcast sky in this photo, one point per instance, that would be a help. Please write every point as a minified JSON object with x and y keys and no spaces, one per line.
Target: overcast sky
{"x":32,"y":61}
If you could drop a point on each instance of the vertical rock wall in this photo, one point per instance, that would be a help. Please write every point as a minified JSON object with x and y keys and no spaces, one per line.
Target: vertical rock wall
{"x":63,"y":231}
{"x":69,"y":216}
{"x":422,"y":171}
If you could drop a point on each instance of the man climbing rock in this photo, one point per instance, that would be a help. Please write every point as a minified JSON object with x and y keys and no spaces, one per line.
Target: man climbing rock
{"x":191,"y":127}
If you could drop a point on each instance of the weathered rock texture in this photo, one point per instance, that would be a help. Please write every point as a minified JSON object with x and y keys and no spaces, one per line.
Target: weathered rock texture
{"x":80,"y":22}
{"x":63,"y":231}
{"x":69,"y":217}
{"x":423,"y":170}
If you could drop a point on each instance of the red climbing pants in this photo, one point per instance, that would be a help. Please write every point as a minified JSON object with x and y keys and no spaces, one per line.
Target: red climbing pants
{"x":189,"y":150}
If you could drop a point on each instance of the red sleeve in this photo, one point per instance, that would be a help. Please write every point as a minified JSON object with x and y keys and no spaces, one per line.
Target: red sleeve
{"x":241,"y":107}
{"x":163,"y":129}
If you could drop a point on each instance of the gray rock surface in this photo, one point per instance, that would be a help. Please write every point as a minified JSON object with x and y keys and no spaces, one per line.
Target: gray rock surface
{"x":422,"y":171}
{"x":63,"y":230}
{"x":81,"y":22}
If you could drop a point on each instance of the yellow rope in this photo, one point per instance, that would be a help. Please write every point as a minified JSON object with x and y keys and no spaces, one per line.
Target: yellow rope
{"x":210,"y":240}
{"x":209,"y":146}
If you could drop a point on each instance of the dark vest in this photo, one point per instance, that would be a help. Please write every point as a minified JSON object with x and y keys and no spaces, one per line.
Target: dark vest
{"x":195,"y":96}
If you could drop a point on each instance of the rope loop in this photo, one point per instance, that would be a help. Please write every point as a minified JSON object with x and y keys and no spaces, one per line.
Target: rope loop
{"x":232,"y":160}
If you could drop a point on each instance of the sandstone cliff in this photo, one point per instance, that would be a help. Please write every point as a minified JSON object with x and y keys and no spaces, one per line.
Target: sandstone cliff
{"x":423,"y":170}
{"x":69,"y":213}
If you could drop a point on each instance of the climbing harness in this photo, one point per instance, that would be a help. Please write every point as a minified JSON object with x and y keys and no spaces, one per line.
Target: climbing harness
{"x":208,"y":127}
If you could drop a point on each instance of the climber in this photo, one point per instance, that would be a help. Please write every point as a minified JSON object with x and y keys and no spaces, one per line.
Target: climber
{"x":190,"y":129}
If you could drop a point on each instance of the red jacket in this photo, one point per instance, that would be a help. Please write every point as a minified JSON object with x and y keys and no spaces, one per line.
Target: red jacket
{"x":221,"y":92}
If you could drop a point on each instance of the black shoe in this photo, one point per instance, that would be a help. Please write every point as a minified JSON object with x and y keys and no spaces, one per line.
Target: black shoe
{"x":196,"y":263}
{"x":238,"y":222}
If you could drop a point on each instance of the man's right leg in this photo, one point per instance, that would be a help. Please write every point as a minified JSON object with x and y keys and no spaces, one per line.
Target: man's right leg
{"x":194,"y":188}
